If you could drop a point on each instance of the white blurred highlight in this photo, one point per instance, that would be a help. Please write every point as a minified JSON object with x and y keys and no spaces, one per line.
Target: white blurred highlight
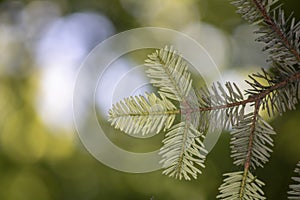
{"x":212,"y":39}
{"x":59,"y":46}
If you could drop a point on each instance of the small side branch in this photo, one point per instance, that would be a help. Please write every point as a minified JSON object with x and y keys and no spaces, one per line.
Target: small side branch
{"x":274,"y":26}
{"x":255,"y":97}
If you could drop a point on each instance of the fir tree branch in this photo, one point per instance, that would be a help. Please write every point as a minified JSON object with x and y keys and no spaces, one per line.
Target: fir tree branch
{"x":275,"y":91}
{"x":251,"y":138}
{"x":144,"y":115}
{"x":279,"y":92}
{"x":294,"y":193}
{"x":251,"y":141}
{"x":183,"y":151}
{"x":241,"y":185}
{"x":274,"y":25}
{"x":169,"y":73}
{"x":258,"y":94}
{"x":280,"y":35}
{"x":221,"y":105}
{"x":183,"y":148}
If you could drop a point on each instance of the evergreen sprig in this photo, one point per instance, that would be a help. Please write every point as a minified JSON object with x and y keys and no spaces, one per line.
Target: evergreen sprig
{"x":276,"y":91}
{"x":220,"y":105}
{"x":252,"y":132}
{"x":236,"y":186}
{"x":279,"y":33}
{"x":183,"y":151}
{"x":295,"y":188}
{"x":144,"y":115}
{"x":169,"y":73}
{"x":279,"y":89}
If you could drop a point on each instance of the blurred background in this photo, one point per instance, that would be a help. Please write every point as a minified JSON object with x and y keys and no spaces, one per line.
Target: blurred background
{"x":42,"y":45}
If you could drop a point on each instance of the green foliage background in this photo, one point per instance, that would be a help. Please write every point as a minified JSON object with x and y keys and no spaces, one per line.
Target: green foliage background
{"x":41,"y":163}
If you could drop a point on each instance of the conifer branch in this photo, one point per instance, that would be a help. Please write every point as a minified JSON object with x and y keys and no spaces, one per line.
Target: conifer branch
{"x":250,"y":136}
{"x":275,"y":94}
{"x":277,"y":90}
{"x":280,"y":35}
{"x":241,"y":185}
{"x":220,"y":104}
{"x":183,"y":151}
{"x":251,"y":141}
{"x":169,"y":73}
{"x":278,"y":26}
{"x":294,"y":193}
{"x":144,"y":115}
